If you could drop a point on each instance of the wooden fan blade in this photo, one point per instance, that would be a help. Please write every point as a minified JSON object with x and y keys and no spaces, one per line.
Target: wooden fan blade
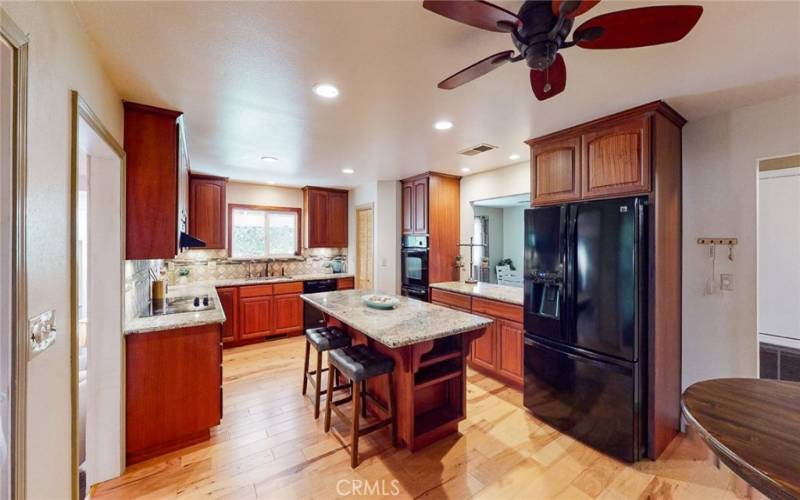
{"x":480,"y":68}
{"x":572,"y":8}
{"x":476,"y":13}
{"x":551,"y":81}
{"x":638,"y":27}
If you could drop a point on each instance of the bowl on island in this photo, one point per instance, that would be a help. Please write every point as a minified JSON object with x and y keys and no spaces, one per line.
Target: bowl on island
{"x":380,"y":301}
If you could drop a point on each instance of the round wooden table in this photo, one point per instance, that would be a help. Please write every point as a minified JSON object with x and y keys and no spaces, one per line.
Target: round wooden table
{"x":753,"y":426}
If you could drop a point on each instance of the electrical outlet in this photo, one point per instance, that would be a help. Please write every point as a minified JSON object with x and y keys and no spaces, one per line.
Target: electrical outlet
{"x":726,"y":282}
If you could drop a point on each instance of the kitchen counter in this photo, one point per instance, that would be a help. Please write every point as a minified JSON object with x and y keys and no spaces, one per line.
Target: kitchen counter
{"x":277,"y":279}
{"x":411,"y":322}
{"x":508,"y":294}
{"x":180,"y":320}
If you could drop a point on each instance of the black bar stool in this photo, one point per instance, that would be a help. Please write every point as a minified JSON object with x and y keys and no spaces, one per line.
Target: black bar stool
{"x":323,"y":339}
{"x":358,"y":364}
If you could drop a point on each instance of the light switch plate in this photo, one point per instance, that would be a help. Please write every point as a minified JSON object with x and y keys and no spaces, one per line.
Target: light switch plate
{"x":41,"y":332}
{"x":726,"y":282}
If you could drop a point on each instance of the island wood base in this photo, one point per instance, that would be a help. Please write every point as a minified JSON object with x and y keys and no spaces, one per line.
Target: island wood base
{"x":430,"y":380}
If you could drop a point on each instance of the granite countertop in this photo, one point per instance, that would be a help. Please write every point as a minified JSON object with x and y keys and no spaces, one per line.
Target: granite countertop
{"x":180,"y":320}
{"x":276,"y":279}
{"x":509,"y":294}
{"x":411,"y":322}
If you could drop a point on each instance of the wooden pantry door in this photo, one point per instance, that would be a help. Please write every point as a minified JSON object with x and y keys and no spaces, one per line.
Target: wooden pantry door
{"x":364,"y":248}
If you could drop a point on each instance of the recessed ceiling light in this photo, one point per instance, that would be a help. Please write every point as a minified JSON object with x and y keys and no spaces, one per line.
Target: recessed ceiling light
{"x":347,"y":170}
{"x":269,"y":159}
{"x":443,"y":125}
{"x":465,"y":169}
{"x":513,"y":157}
{"x":326,"y":90}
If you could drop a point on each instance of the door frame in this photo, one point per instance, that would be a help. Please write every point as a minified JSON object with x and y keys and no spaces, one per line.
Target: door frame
{"x":15,"y":37}
{"x":365,"y":206}
{"x":82,"y":111}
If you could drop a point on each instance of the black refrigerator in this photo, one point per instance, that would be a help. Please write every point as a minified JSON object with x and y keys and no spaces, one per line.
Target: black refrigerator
{"x":585,"y":321}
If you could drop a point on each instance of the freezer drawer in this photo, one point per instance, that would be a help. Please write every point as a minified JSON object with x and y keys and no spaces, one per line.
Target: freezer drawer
{"x":592,"y":400}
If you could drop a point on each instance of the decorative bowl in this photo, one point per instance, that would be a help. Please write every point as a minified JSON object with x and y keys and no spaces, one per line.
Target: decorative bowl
{"x":380,"y":301}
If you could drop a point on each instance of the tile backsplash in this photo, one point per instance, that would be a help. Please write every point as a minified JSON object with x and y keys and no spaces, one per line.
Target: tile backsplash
{"x":204,"y":265}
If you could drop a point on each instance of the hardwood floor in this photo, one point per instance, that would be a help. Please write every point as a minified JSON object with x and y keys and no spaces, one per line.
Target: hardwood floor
{"x":269,"y":446}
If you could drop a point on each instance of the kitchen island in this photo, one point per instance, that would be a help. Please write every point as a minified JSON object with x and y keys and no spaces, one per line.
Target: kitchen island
{"x":429,"y":345}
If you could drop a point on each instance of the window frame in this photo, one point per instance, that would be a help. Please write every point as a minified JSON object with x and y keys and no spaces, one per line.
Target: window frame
{"x":264,"y":208}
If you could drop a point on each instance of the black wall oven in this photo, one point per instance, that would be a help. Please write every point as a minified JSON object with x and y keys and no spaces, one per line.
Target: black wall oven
{"x":414,"y":266}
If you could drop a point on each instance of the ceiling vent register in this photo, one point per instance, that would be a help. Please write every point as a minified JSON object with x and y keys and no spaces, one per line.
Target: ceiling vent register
{"x":476,"y":150}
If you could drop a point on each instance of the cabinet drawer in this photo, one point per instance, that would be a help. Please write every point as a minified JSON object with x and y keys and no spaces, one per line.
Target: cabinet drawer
{"x":503,"y":310}
{"x":255,"y":291}
{"x":457,"y":300}
{"x":345,"y":283}
{"x":293,"y":287}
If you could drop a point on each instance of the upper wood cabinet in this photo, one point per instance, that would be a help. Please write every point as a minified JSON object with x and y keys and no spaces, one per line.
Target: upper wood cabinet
{"x":325,"y":217}
{"x":207,"y":209}
{"x":616,"y":159}
{"x":556,"y":170}
{"x":415,"y":206}
{"x":156,"y":161}
{"x":605,"y":158}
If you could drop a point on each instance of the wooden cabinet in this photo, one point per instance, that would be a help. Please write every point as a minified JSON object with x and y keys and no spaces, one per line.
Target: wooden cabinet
{"x":415,"y":206}
{"x":325,"y":217}
{"x":499,"y":351}
{"x":510,"y":348}
{"x":556,"y":171}
{"x":345,"y":283}
{"x":173,"y":389}
{"x":616,"y":159}
{"x":207,"y":209}
{"x":229,"y":300}
{"x":288,"y":313}
{"x":153,"y":215}
{"x":605,"y":158}
{"x":256,"y":317}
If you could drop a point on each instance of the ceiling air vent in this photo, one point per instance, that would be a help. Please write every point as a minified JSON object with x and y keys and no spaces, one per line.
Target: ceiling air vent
{"x":476,"y":150}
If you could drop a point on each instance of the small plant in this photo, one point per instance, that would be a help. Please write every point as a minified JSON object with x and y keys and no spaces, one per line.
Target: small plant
{"x":459,"y":262}
{"x":507,"y":262}
{"x":184,"y":271}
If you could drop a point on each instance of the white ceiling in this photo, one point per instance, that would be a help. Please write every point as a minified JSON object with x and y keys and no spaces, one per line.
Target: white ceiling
{"x":242,"y":73}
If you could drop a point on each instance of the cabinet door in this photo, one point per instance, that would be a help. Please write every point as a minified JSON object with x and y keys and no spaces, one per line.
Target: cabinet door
{"x":288,"y":313}
{"x":337,"y":220}
{"x":510,"y":337}
{"x":345,"y":283}
{"x":256,"y":317}
{"x":408,"y":207}
{"x":616,"y":159}
{"x":421,"y":206}
{"x":229,"y":300}
{"x":555,"y":171}
{"x":207,"y":210}
{"x":317,"y":218}
{"x":483,"y":348}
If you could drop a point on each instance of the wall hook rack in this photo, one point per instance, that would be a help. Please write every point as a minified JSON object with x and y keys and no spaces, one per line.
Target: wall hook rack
{"x":729,"y":242}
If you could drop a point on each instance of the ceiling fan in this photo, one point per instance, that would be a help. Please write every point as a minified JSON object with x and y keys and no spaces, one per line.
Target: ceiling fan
{"x":541,"y":28}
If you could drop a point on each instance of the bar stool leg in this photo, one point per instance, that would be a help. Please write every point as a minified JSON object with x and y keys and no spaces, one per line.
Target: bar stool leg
{"x":354,"y":432}
{"x":318,"y":389}
{"x":363,"y":391}
{"x":305,"y":368}
{"x":392,"y":408}
{"x":328,"y":400}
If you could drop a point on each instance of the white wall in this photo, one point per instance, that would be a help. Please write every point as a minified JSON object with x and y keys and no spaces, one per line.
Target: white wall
{"x":261,"y":194}
{"x":60,"y":59}
{"x":719,"y":199}
{"x":384,"y":196}
{"x":514,"y":235}
{"x":506,"y":181}
{"x":779,"y":256}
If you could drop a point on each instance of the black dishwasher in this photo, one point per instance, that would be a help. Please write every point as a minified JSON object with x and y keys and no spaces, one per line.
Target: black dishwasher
{"x":312,"y":317}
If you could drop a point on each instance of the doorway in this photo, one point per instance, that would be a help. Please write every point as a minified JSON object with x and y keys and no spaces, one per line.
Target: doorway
{"x":98,"y":174}
{"x":364,"y":248}
{"x":13,"y":291}
{"x":778,"y":289}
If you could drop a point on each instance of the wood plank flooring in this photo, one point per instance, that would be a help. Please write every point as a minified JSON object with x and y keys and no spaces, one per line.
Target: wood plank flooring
{"x":270,"y":446}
